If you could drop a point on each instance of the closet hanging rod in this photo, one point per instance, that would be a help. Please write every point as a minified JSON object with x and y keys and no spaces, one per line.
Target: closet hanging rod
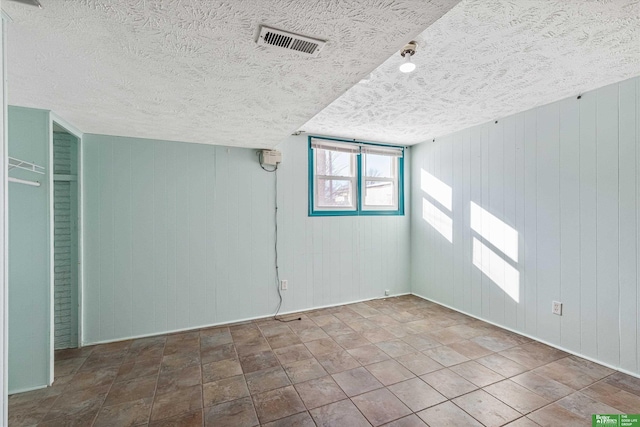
{"x":21,"y":164}
{"x":24,"y":181}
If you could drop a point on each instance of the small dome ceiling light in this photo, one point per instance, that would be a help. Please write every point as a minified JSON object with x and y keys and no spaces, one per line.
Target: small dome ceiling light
{"x":407,"y":52}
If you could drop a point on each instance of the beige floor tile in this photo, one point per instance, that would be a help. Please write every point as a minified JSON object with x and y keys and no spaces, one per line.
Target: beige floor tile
{"x":417,"y":394}
{"x":448,"y":383}
{"x":342,"y":413}
{"x":445,"y":356}
{"x":476,"y":373}
{"x":279,"y":403}
{"x":224,"y":390}
{"x":545,"y":387}
{"x":304,"y":370}
{"x":320,"y":392}
{"x":356,"y":381}
{"x":419,"y":363}
{"x":518,"y":397}
{"x":380,"y":406}
{"x":239,"y":412}
{"x":447,"y":415}
{"x":267,"y":379}
{"x":368,"y":354}
{"x":389,"y":372}
{"x":501,"y":365}
{"x":555,"y":415}
{"x":486,"y":408}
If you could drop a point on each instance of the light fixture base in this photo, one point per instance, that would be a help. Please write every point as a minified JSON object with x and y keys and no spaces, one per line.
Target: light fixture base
{"x":410,"y":49}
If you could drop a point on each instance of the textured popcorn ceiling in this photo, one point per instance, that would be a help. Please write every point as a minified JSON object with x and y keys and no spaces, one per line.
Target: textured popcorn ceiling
{"x":486,"y":59}
{"x":190,"y":70}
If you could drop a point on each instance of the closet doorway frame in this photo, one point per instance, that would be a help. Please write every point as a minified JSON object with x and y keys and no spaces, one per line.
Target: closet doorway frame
{"x":74,"y":131}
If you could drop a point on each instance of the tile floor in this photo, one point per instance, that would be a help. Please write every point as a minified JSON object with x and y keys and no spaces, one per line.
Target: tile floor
{"x":398,"y":362}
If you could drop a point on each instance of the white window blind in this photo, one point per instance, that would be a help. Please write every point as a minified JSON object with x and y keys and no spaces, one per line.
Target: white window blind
{"x":335,"y":146}
{"x":381,"y":151}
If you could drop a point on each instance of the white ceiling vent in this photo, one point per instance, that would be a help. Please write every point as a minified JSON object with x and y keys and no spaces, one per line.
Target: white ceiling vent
{"x":307,"y":45}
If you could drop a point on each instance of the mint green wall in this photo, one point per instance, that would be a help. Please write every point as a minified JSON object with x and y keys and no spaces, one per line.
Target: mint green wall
{"x":566,"y":178}
{"x":180,"y":235}
{"x":29,"y":287}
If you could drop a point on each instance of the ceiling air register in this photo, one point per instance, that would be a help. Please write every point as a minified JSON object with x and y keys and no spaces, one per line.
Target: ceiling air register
{"x":290,"y":41}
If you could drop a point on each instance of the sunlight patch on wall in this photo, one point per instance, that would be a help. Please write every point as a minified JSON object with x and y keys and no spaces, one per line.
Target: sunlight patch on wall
{"x":499,"y":234}
{"x":435,"y":188}
{"x":497,"y":269}
{"x":438,"y":219}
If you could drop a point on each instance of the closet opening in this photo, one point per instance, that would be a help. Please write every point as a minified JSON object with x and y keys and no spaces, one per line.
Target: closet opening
{"x":66,"y":238}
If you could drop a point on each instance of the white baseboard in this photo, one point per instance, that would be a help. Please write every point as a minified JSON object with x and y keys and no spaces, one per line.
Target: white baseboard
{"x":591,"y":359}
{"x":24,"y":390}
{"x":231,"y":322}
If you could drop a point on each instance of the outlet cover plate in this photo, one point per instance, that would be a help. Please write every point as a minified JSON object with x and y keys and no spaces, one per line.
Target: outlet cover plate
{"x":556,"y":308}
{"x":284,"y":285}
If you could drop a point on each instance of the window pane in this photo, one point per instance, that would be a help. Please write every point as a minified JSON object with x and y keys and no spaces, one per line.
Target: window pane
{"x":335,"y":193}
{"x":379,"y":193}
{"x":379,"y":166}
{"x":333,"y":163}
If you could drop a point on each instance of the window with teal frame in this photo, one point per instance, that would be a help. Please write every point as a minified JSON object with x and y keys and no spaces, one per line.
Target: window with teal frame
{"x":350,"y":178}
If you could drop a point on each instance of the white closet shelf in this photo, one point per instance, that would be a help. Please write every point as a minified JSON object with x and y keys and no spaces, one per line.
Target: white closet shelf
{"x":21,"y":164}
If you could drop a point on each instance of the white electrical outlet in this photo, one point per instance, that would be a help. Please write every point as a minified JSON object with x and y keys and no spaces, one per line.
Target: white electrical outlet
{"x":386,"y":293}
{"x":556,"y":308}
{"x":284,"y":285}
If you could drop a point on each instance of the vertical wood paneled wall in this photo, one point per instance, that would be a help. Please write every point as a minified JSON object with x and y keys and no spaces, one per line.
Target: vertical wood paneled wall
{"x":566,"y":177}
{"x":179,"y":236}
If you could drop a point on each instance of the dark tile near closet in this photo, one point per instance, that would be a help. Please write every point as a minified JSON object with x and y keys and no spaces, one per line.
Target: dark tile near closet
{"x":124,"y":414}
{"x":68,"y":366}
{"x":139,"y":368}
{"x":142,"y":388}
{"x":92,"y":378}
{"x":189,"y":419}
{"x":78,"y":406}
